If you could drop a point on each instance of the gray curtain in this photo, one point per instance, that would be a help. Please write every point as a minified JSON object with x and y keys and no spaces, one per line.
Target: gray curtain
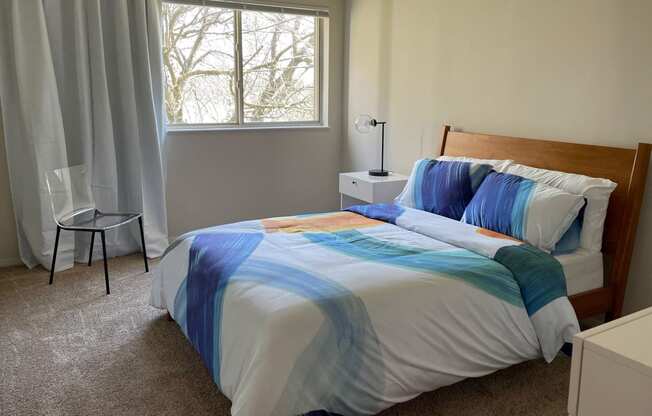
{"x":81,"y":82}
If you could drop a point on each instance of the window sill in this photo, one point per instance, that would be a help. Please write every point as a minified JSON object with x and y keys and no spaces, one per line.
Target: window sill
{"x":203,"y":129}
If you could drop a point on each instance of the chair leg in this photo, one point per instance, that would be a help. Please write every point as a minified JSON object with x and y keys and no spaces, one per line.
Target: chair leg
{"x":106,"y":266}
{"x":90,"y":253}
{"x":142,"y":241}
{"x":54,"y":255}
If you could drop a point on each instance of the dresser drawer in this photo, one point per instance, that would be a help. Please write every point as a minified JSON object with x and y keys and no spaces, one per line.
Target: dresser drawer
{"x":611,"y":372}
{"x":609,"y":387}
{"x":356,"y":188}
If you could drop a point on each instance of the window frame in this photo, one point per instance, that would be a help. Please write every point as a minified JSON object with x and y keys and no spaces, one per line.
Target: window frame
{"x":241,"y":124}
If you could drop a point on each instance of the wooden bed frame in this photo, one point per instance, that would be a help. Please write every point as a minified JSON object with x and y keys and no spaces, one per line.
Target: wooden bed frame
{"x":627,"y":167}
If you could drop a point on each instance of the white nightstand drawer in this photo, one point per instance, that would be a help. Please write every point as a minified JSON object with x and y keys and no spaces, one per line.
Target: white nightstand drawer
{"x":360,"y":187}
{"x":356,"y":188}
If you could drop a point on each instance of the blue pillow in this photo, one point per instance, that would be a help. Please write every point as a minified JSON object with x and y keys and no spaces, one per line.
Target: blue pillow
{"x":524,"y":209}
{"x":442,"y":187}
{"x":570,"y":241}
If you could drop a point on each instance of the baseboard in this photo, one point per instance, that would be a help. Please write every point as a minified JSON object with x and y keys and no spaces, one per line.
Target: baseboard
{"x":10,"y":261}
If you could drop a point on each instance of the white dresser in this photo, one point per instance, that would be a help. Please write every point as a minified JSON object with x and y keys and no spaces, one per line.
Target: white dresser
{"x":611,"y":371}
{"x":362,"y":188}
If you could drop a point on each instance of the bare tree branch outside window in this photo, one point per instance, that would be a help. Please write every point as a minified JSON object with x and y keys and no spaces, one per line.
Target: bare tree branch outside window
{"x":199,"y":58}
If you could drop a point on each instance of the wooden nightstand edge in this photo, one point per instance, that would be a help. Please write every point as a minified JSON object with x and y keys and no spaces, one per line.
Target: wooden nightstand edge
{"x":615,"y":323}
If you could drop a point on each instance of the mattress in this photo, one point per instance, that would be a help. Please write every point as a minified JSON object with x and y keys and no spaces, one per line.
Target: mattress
{"x":583,"y":270}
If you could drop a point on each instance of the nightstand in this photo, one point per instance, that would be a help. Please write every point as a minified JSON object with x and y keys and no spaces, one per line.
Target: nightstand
{"x":611,"y":372}
{"x":362,"y":188}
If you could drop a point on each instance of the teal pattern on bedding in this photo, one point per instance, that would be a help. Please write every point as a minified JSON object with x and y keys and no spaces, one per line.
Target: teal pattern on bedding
{"x":339,"y":343}
{"x":538,"y":276}
{"x":478,"y":271}
{"x":345,"y":347}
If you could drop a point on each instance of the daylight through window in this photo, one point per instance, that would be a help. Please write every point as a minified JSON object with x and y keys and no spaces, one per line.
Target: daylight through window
{"x":234,"y":67}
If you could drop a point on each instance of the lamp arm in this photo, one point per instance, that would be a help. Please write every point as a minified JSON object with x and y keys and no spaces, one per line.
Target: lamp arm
{"x":382,"y":146}
{"x":362,"y":123}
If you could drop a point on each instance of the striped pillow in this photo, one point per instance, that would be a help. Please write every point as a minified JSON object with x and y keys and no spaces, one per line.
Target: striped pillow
{"x":524,"y":209}
{"x":442,"y":187}
{"x":596,"y":191}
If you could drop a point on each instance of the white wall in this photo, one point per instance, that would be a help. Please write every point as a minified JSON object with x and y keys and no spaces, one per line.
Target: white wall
{"x":224,"y":176}
{"x":578,"y":69}
{"x":215,"y":178}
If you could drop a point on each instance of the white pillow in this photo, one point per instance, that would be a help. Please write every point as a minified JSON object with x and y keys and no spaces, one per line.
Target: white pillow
{"x":498,"y":165}
{"x":595,"y":190}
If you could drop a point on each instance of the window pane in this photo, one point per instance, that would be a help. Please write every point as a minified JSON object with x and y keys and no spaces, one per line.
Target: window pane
{"x":278,"y":53}
{"x":199,"y":64}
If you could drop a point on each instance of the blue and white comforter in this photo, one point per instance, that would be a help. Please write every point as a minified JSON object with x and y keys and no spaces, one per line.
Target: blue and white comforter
{"x":352,"y":312}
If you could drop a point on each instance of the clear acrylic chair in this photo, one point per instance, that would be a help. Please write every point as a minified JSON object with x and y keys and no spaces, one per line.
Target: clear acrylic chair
{"x":73,"y":208}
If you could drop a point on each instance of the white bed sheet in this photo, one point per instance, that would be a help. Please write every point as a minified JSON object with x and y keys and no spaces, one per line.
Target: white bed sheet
{"x":583,"y":269}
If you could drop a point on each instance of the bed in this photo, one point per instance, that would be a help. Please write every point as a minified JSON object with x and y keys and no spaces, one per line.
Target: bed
{"x":626,"y":167}
{"x":351,"y":312}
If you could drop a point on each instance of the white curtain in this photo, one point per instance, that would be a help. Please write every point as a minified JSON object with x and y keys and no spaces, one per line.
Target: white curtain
{"x":81,"y":82}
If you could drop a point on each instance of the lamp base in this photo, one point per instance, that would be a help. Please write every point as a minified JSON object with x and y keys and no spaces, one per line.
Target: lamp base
{"x":378,"y":172}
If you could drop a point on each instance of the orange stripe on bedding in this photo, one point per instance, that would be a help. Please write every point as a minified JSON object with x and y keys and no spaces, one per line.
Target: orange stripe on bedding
{"x":338,"y":221}
{"x":494,"y":234}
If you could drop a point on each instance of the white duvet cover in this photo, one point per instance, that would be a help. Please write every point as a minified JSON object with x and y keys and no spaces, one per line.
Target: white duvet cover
{"x":351,"y":312}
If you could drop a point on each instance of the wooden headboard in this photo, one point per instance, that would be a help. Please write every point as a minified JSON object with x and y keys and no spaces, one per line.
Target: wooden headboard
{"x":627,"y":167}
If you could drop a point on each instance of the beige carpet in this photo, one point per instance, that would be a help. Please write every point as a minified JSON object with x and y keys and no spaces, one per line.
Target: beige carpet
{"x":67,"y":349}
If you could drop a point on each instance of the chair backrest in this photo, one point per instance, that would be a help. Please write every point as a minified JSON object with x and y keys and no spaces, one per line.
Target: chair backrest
{"x":70,"y":192}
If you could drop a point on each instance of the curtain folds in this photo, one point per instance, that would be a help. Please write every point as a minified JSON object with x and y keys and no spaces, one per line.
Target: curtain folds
{"x":81,"y":82}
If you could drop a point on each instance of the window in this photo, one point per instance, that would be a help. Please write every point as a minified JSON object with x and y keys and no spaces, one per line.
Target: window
{"x":237,"y":67}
